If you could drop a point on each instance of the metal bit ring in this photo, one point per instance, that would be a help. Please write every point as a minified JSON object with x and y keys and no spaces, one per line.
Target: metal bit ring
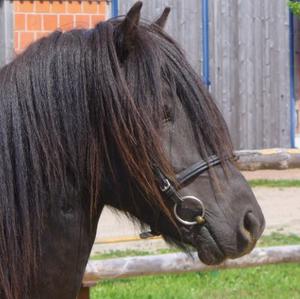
{"x":198,"y":220}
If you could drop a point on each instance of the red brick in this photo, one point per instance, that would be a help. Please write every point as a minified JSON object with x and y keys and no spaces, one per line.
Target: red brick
{"x":74,"y":6}
{"x":42,"y":34}
{"x":50,"y":22}
{"x":16,"y":40}
{"x":102,"y":7}
{"x":66,"y":22}
{"x":97,"y":19}
{"x":19,"y":21}
{"x":24,"y":6}
{"x":90,"y":7}
{"x":26,"y":38}
{"x":58,"y":6}
{"x":34,"y":22}
{"x":42,"y":6}
{"x":83,"y":21}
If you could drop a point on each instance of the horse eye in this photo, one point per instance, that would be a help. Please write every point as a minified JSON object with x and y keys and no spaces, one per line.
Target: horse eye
{"x":168,"y":115}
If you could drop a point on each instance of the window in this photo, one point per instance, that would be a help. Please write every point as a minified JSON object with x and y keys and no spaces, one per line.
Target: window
{"x":6,"y":31}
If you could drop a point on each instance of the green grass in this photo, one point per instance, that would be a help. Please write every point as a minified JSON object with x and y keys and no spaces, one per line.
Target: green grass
{"x":266,"y":282}
{"x":277,"y":239}
{"x":275,"y":281}
{"x":275,"y":183}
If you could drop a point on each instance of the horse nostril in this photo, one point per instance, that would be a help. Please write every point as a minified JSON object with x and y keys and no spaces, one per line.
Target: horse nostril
{"x":251,"y":225}
{"x":248,"y":233}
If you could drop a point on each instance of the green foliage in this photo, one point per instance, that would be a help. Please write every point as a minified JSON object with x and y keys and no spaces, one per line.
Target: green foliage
{"x":294,"y":7}
{"x":274,"y":183}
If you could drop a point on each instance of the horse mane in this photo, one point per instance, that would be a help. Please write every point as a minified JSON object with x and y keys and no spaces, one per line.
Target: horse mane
{"x":69,"y":109}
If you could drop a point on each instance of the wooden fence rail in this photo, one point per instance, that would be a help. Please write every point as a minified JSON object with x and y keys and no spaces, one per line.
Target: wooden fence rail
{"x":180,"y":262}
{"x":277,"y":159}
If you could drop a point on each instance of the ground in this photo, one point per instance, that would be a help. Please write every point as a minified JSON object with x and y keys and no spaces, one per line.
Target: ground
{"x":291,"y":174}
{"x":281,"y":206}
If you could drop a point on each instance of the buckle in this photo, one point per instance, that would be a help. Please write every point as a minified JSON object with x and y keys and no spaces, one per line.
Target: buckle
{"x":166,"y":186}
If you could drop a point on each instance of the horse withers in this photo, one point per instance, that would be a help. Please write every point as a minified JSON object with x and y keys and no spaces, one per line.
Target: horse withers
{"x":111,"y":116}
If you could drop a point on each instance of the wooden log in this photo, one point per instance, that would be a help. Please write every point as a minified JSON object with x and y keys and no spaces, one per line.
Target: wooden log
{"x":277,"y":159}
{"x":180,"y":262}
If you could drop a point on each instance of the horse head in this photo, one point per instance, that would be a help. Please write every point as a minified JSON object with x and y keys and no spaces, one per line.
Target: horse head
{"x":204,"y":200}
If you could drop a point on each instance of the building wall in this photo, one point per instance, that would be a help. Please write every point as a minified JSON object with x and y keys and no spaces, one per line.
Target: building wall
{"x":184,"y":23}
{"x":250,"y":70}
{"x":249,"y":62}
{"x":298,"y":117}
{"x":34,"y":19}
{"x":297,"y":73}
{"x":6,"y":32}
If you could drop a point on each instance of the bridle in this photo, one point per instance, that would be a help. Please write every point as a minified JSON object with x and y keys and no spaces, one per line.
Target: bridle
{"x":170,"y":191}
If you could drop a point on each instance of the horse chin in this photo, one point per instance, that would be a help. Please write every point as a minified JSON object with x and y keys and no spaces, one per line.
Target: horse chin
{"x":209,"y":252}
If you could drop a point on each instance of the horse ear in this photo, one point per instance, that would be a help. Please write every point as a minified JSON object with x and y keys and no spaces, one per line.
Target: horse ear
{"x":162,"y":20}
{"x":127,"y":30}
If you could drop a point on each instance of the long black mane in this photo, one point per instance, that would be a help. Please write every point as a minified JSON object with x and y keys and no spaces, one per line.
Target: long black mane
{"x":70,"y":105}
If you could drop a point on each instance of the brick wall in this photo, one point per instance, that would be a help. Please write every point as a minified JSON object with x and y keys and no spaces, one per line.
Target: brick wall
{"x":34,"y":19}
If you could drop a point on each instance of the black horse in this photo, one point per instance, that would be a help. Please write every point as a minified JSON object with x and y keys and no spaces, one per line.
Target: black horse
{"x":111,"y":116}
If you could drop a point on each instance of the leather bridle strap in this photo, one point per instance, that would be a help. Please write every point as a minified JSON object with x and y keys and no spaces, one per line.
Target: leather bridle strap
{"x":167,"y":188}
{"x":196,"y":169}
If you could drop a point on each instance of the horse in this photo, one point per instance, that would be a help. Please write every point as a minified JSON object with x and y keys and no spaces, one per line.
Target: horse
{"x":113,"y":115}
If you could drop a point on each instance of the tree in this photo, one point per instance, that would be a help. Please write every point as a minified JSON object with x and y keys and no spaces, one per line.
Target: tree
{"x":294,"y":7}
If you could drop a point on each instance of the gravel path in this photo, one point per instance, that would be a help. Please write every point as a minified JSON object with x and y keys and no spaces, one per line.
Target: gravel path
{"x":291,"y":174}
{"x":281,"y":207}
